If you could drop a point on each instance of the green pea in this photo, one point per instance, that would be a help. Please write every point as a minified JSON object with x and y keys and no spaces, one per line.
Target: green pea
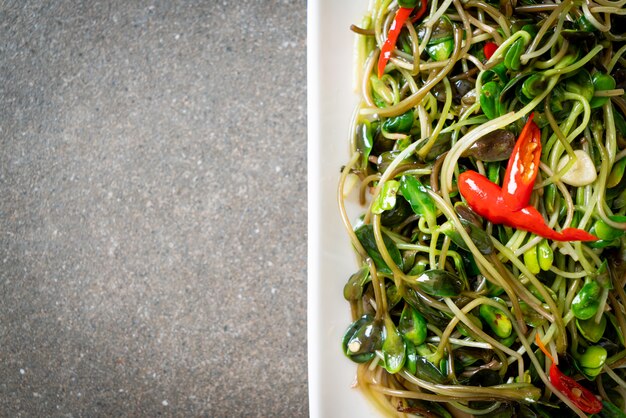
{"x":601,"y":81}
{"x":545,"y":255}
{"x":399,"y":124}
{"x":531,"y":261}
{"x":590,"y":329}
{"x":497,"y":320}
{"x":513,"y":54}
{"x":386,"y":199}
{"x":440,"y":283}
{"x":412,"y":325}
{"x":490,"y":99}
{"x":592,"y":360}
{"x":362,"y":339}
{"x":585,"y":304}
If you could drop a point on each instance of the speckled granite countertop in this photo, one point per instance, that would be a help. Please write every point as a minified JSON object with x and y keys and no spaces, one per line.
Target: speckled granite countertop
{"x":153,"y":208}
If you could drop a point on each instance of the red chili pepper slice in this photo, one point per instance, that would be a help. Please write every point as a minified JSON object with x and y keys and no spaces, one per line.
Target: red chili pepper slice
{"x":489,"y":49}
{"x":580,"y":396}
{"x":420,"y":12}
{"x":509,"y":205}
{"x":487,"y":200}
{"x":523,"y":167}
{"x":392,"y":37}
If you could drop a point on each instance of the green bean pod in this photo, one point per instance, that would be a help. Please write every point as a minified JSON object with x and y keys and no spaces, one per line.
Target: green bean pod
{"x":586,"y":302}
{"x":592,"y":361}
{"x":497,"y":320}
{"x":531,"y":260}
{"x":545,"y":255}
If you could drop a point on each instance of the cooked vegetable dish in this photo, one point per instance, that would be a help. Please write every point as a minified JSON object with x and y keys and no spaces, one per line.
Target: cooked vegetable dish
{"x":488,"y":152}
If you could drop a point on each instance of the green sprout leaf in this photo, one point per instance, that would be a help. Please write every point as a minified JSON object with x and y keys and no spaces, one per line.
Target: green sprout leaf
{"x":386,"y":199}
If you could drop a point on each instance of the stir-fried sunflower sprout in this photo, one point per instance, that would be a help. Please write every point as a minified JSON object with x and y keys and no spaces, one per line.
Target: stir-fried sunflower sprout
{"x":452,"y":300}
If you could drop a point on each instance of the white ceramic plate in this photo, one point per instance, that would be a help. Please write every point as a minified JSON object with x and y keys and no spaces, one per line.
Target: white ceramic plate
{"x":331,"y":101}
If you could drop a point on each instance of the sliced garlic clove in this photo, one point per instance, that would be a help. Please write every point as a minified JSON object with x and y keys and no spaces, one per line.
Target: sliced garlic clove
{"x":582,"y":172}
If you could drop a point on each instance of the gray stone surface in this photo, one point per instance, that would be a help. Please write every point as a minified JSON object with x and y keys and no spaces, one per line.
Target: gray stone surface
{"x":153,"y":208}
